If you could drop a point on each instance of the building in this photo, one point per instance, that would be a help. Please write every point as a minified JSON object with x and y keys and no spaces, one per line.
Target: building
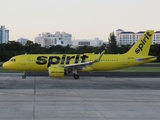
{"x":95,"y":42}
{"x":23,"y":41}
{"x":4,"y":35}
{"x":47,"y":39}
{"x":156,"y":39}
{"x":129,"y":38}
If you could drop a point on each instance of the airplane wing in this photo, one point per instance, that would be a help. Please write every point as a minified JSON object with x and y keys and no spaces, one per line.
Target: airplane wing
{"x":84,"y":64}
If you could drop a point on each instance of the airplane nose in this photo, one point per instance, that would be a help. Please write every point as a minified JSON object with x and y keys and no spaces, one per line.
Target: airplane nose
{"x":4,"y":65}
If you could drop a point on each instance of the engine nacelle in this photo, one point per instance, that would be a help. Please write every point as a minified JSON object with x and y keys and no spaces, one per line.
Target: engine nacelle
{"x":56,"y":71}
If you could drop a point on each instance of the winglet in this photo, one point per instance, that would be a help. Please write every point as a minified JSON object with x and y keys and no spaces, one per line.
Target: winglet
{"x":100,"y":56}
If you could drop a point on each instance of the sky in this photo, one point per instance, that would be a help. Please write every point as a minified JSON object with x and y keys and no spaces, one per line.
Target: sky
{"x":84,"y":19}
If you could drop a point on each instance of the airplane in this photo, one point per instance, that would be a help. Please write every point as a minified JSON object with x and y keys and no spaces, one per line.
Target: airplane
{"x":58,"y":65}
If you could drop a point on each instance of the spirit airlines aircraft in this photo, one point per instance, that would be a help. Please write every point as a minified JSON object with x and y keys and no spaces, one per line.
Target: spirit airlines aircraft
{"x":58,"y":65}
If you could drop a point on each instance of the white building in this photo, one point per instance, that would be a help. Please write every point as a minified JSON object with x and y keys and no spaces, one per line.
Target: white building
{"x":95,"y":42}
{"x":48,"y":39}
{"x":23,"y":41}
{"x":156,"y":39}
{"x":4,"y":35}
{"x":129,"y":38}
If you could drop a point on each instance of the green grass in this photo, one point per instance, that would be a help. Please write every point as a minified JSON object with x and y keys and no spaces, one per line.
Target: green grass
{"x":3,"y":70}
{"x":138,"y":69}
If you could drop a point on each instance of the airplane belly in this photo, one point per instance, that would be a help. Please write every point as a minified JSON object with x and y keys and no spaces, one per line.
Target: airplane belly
{"x":89,"y":68}
{"x":35,"y":67}
{"x":105,"y":66}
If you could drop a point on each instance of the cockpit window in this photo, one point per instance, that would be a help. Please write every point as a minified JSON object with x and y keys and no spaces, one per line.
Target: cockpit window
{"x":12,"y":59}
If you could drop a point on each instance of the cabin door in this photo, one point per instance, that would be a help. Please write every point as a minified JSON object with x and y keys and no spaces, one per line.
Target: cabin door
{"x":25,"y":62}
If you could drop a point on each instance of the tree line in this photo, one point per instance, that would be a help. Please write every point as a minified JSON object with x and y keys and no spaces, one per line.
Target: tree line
{"x":12,"y":48}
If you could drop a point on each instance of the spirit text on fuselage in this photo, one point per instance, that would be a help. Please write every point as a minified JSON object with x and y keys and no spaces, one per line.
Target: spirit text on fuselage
{"x":64,"y":59}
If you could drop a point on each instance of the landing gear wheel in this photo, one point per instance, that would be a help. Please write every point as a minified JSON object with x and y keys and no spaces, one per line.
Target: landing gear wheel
{"x":24,"y":76}
{"x":76,"y":76}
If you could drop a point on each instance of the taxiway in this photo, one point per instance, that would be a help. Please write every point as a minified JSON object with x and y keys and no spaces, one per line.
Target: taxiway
{"x":89,"y":98}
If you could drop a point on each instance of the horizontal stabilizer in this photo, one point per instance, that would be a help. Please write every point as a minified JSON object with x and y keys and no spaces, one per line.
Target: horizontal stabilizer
{"x":146,"y":58}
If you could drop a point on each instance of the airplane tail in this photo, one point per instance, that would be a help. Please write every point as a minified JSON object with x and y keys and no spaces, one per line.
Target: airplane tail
{"x":142,"y":46}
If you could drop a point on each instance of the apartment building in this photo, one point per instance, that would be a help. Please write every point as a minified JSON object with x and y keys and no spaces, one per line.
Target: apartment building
{"x":93,"y":42}
{"x":129,"y":38}
{"x":23,"y":41}
{"x":4,"y":35}
{"x":59,"y":38}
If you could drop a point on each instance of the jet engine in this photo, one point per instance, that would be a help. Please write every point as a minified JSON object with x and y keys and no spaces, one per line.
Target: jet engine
{"x":56,"y":71}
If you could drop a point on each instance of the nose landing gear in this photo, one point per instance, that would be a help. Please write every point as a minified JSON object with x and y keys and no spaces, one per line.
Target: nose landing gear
{"x":24,"y":75}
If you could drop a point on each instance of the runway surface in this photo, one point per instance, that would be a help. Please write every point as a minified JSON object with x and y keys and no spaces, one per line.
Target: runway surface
{"x":89,"y":98}
{"x":104,"y":74}
{"x":14,"y":81}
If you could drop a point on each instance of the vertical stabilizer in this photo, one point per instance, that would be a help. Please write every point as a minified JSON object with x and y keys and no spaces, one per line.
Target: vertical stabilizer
{"x":142,"y":46}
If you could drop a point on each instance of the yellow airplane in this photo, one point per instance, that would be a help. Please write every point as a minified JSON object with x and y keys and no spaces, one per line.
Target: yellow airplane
{"x":58,"y":65}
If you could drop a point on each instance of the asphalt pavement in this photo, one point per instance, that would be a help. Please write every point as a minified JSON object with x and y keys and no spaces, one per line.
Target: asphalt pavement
{"x":89,"y":98}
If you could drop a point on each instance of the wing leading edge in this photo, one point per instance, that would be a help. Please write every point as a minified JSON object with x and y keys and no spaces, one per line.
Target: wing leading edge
{"x":84,"y":64}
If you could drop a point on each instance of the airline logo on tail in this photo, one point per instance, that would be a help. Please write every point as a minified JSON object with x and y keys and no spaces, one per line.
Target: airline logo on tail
{"x":146,"y":37}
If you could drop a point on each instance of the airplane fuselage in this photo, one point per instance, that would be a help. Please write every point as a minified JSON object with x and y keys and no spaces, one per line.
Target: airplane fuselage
{"x":41,"y":62}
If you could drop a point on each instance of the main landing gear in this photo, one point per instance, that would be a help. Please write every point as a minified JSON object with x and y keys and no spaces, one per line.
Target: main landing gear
{"x":75,"y":75}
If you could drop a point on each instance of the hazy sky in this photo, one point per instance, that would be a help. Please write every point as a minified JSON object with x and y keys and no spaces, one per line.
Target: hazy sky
{"x":84,"y":19}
